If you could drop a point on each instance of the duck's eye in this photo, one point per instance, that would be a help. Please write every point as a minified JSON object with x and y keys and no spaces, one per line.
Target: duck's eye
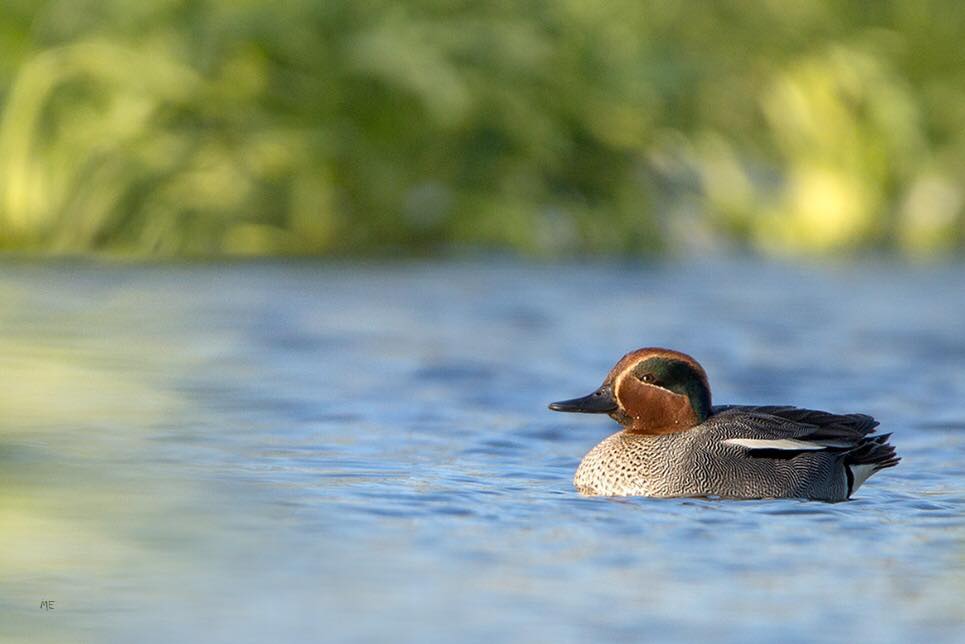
{"x":647,"y":377}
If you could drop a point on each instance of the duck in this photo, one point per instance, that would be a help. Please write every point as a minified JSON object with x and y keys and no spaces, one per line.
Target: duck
{"x":674,"y":443}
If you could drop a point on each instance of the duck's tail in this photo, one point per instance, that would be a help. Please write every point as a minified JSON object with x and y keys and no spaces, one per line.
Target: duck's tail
{"x":870,"y":455}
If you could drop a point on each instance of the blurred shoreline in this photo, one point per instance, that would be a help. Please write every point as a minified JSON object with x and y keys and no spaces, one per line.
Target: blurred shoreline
{"x":559,"y":129}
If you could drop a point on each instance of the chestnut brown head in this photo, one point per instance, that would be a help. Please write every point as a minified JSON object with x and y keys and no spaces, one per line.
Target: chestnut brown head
{"x":649,"y":391}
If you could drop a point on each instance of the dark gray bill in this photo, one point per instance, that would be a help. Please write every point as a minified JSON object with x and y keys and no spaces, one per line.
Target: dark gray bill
{"x":599,"y":402}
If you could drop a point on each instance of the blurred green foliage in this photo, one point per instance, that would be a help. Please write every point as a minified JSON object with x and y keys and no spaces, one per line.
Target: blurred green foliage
{"x":210,"y":127}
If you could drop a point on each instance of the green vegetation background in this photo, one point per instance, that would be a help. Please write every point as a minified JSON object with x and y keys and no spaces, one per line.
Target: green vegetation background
{"x":547,"y":128}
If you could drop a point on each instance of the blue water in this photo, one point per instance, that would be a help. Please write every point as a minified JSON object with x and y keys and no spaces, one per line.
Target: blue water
{"x":362,"y":453}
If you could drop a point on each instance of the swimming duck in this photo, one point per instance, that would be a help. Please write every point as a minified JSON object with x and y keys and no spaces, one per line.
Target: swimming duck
{"x":675,"y":444}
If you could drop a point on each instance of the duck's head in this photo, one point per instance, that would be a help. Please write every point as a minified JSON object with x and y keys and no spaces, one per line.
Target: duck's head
{"x":649,"y":391}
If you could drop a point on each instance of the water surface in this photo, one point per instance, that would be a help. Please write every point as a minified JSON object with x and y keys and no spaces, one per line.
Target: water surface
{"x":362,"y":453}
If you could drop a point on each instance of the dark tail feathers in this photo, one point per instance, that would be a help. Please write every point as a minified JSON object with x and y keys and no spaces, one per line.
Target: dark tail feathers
{"x":874,"y":450}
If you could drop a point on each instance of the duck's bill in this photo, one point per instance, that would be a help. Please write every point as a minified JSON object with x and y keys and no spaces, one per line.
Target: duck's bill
{"x":599,"y":402}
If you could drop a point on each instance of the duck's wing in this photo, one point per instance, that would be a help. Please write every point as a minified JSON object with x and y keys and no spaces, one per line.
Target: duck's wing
{"x":806,"y":435}
{"x":783,"y":432}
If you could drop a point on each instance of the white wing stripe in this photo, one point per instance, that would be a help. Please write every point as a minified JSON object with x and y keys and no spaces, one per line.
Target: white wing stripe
{"x":781,"y":443}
